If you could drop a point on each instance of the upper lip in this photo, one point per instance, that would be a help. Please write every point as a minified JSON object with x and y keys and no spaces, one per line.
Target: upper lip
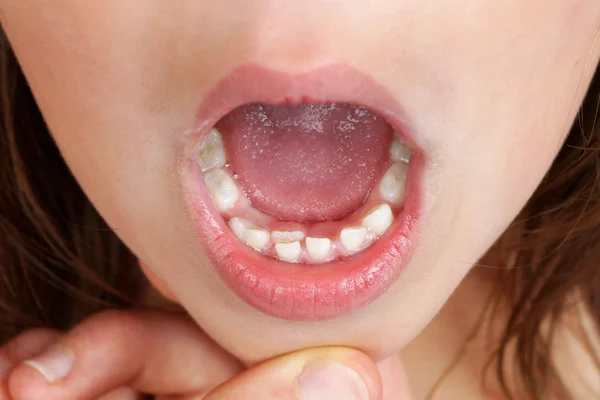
{"x":289,"y":291}
{"x":334,"y":83}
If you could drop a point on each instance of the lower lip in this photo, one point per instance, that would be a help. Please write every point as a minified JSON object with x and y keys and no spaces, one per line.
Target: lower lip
{"x":295,"y":291}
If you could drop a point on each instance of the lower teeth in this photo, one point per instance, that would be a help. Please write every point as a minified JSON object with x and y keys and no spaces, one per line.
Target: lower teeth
{"x":316,"y":243}
{"x":289,"y":252}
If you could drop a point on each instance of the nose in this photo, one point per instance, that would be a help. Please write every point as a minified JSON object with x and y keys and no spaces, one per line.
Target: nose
{"x":288,"y":35}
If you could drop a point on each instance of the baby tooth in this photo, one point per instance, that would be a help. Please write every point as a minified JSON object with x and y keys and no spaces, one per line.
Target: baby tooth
{"x":353,"y":237}
{"x":288,"y":251}
{"x":256,"y":238}
{"x":379,"y":220}
{"x":248,"y":232}
{"x":318,"y":248}
{"x":238,"y":226}
{"x":399,"y":152}
{"x":212,"y":152}
{"x":286,"y":237}
{"x":222,"y":188}
{"x":392,"y":184}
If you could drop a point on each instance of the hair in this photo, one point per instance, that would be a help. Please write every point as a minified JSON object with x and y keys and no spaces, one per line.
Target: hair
{"x":60,"y":262}
{"x":552,"y":253}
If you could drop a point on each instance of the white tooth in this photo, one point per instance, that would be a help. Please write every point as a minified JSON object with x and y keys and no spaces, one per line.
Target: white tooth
{"x":379,"y":220}
{"x":238,"y":226}
{"x":392,"y":184}
{"x":399,"y":152}
{"x":222,"y":188}
{"x":212,"y":152}
{"x":318,"y":248}
{"x":353,"y":237}
{"x":256,"y":238}
{"x":287,"y":236}
{"x":249,"y":233}
{"x":288,"y":251}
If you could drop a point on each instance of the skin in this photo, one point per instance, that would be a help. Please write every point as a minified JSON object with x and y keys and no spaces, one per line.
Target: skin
{"x":114,"y":354}
{"x":483,"y":83}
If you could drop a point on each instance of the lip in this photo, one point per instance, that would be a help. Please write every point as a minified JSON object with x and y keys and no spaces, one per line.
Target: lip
{"x":303,"y":292}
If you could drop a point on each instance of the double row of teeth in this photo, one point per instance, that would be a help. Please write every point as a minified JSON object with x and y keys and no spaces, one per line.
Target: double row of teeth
{"x":295,"y":245}
{"x":290,"y":245}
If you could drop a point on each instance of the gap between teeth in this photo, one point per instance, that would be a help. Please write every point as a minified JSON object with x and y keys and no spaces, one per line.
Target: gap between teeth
{"x":294,"y":245}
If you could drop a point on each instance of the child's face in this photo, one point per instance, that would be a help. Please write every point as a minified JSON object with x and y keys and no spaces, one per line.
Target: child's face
{"x":488,"y":90}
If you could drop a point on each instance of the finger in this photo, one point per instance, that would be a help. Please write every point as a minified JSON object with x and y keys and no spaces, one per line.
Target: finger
{"x":394,"y":379}
{"x":35,"y":341}
{"x":121,"y":393}
{"x":151,"y":352}
{"x":322,"y":373}
{"x":27,"y":344}
{"x":21,"y":347}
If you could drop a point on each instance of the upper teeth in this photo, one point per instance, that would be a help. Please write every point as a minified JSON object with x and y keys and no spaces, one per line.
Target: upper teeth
{"x":223,"y":190}
{"x":212,"y":153}
{"x":392,"y":184}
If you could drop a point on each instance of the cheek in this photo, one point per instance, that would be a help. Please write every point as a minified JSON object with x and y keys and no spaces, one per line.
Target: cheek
{"x":485,"y":181}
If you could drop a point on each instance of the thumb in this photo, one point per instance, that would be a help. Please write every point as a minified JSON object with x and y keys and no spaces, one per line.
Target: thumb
{"x":314,"y":374}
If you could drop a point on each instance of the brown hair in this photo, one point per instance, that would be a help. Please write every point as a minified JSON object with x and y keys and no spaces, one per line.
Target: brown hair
{"x":552,"y":253}
{"x":60,"y":262}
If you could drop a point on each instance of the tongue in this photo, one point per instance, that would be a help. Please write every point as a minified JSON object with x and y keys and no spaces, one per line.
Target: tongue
{"x":307,"y":162}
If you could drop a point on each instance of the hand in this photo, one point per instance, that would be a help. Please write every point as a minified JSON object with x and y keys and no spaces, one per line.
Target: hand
{"x":117,"y":355}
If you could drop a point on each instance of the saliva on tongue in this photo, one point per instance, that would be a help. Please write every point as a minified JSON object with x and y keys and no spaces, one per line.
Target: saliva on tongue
{"x":309,"y":162}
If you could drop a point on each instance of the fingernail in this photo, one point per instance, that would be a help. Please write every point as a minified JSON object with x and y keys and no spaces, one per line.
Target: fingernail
{"x":331,"y":380}
{"x":54,"y":364}
{"x":5,"y":367}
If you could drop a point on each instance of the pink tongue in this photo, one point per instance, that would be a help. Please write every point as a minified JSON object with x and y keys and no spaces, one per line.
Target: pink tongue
{"x":308,"y":162}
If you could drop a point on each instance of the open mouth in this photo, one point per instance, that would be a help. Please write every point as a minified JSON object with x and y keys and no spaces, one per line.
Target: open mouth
{"x":304,"y":190}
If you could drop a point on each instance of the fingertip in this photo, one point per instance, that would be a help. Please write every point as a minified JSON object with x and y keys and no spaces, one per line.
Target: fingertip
{"x":369,"y":373}
{"x":312,"y":374}
{"x":25,"y":383}
{"x":54,"y":364}
{"x":345,"y":372}
{"x":329,"y":380}
{"x":14,"y":373}
{"x":40,"y":377}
